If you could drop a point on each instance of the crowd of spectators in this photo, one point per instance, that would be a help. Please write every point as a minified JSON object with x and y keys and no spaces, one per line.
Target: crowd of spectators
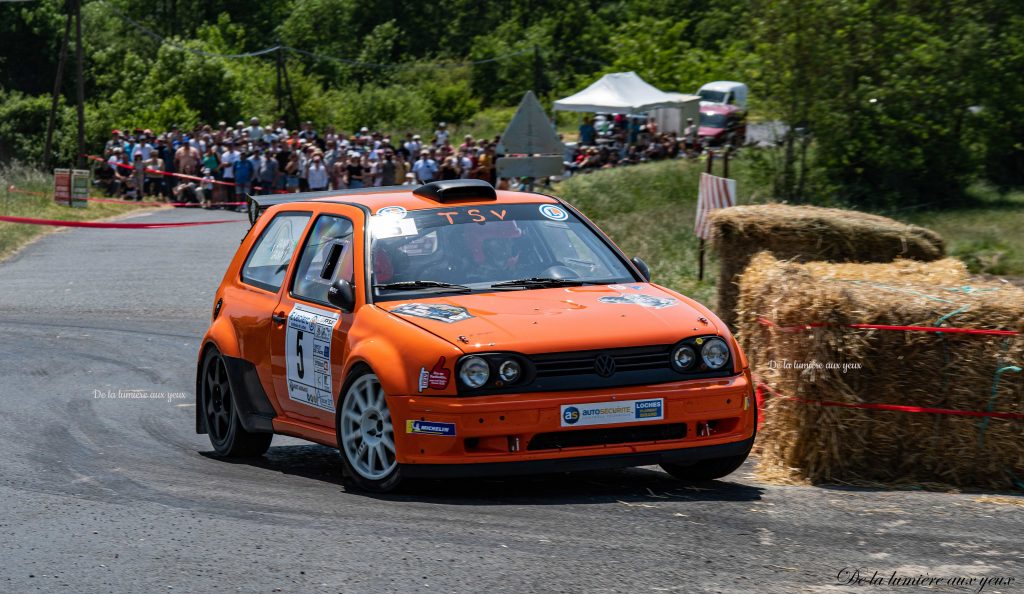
{"x":621,"y":140}
{"x":219,"y":166}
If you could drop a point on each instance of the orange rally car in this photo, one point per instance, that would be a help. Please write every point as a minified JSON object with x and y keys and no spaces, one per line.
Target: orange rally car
{"x":452,"y":330}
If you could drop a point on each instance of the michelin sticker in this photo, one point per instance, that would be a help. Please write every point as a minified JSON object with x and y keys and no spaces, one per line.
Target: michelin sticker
{"x":641,"y":300}
{"x":430,"y":428}
{"x":433,"y":311}
{"x":308,"y":356}
{"x":555,"y":213}
{"x":605,"y":413}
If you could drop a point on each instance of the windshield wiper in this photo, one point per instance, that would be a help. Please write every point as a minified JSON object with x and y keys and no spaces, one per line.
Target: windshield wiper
{"x":422,"y":284}
{"x":540,"y":281}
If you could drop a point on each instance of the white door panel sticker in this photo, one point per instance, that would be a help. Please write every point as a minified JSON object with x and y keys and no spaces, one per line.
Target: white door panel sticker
{"x":308,"y":356}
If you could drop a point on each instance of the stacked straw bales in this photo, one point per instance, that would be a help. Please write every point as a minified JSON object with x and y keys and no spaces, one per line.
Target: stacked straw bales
{"x":807,"y":233}
{"x":948,"y":371}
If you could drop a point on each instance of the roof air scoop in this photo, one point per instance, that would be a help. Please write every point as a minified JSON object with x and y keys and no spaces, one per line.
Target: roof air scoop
{"x":457,"y":189}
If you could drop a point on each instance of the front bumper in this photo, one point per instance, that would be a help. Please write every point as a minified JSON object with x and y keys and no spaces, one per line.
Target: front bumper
{"x":523,"y":433}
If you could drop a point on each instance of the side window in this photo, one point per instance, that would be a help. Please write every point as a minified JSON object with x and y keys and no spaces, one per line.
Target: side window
{"x":326,"y":256}
{"x":268,"y":261}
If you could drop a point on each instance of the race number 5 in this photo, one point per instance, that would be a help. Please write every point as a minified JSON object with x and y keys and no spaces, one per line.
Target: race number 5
{"x":298,"y":354}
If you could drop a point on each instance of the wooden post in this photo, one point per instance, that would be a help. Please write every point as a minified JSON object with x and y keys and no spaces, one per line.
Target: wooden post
{"x":80,"y":81}
{"x":56,"y":93}
{"x":725,"y":162}
{"x":700,"y":261}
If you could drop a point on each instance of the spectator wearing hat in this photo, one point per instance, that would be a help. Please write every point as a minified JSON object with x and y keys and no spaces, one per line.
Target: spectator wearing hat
{"x":206,"y":187}
{"x":354,"y":172}
{"x":254,"y":129}
{"x":425,"y":168}
{"x":115,"y":142}
{"x":316,"y":172}
{"x":441,"y":134}
{"x":154,"y":176}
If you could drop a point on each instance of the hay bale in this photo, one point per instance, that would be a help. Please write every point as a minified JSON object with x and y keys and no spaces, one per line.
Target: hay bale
{"x":803,"y":439}
{"x":807,"y":233}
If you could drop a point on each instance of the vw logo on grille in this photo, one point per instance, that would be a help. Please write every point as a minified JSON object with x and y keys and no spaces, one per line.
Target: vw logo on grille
{"x":604,"y":365}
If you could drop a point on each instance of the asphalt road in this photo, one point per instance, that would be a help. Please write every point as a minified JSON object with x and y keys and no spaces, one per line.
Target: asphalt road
{"x":120,"y":495}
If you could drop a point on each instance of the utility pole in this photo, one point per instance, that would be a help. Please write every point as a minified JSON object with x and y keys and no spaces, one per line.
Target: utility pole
{"x":57,"y":83}
{"x":280,"y":65}
{"x":80,"y":80}
{"x":294,"y":111}
{"x":537,"y":82}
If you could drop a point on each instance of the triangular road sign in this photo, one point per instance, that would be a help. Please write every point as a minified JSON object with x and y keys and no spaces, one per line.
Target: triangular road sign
{"x":530,"y":132}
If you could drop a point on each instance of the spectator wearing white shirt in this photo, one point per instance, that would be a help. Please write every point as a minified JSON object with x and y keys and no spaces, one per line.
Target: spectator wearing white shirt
{"x":413,"y":146}
{"x":441,"y":134}
{"x":425,"y":168}
{"x":316,"y":173}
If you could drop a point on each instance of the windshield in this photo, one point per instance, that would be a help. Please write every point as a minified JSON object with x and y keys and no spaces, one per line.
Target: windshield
{"x":712,"y":120}
{"x":472,"y":248}
{"x":711,"y":96}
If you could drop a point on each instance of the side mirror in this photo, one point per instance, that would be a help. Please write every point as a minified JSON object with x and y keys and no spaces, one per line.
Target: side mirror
{"x":342,"y":295}
{"x":645,"y":270}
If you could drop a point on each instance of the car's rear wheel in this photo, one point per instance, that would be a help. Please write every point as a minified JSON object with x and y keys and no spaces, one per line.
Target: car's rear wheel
{"x":228,"y":437}
{"x":366,"y":436}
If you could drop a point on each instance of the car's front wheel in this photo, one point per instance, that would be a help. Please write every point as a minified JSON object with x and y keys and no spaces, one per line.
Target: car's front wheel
{"x":228,"y":437}
{"x":366,"y":436}
{"x":705,"y":470}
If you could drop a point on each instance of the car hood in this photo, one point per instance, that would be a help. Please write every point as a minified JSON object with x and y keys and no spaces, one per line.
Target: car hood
{"x":558,"y":319}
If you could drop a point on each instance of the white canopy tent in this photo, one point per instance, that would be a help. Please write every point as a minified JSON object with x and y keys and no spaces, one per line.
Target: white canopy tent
{"x":621,"y":92}
{"x":625,"y":92}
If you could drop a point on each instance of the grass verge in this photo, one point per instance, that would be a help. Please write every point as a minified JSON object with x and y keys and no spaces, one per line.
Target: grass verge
{"x":15,"y":235}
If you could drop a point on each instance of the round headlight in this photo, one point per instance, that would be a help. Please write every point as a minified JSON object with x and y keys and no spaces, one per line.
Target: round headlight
{"x":683,"y":357}
{"x":715,"y":353}
{"x":510,"y":371}
{"x":474,"y":372}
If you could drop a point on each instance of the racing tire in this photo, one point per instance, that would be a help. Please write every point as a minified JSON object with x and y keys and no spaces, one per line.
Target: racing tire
{"x":228,"y":437}
{"x":366,"y":436}
{"x":715,"y":468}
{"x":705,"y":470}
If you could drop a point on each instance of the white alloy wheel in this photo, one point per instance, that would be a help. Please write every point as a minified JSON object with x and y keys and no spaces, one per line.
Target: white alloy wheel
{"x":367,"y":436}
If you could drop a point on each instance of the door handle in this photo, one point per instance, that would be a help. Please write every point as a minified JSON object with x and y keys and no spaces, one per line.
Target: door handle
{"x":279,"y":318}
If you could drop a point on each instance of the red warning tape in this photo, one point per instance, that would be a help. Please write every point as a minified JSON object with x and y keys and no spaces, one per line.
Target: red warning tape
{"x":170,"y":174}
{"x":763,"y":390}
{"x":102,"y":225}
{"x":18,"y":190}
{"x":799,"y":327}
